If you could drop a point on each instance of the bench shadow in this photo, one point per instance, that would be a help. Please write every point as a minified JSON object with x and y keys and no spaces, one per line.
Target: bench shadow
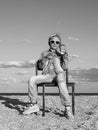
{"x":56,"y":111}
{"x":13,"y":103}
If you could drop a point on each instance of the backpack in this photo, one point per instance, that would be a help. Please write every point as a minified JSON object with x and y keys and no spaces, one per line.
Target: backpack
{"x":40,"y":65}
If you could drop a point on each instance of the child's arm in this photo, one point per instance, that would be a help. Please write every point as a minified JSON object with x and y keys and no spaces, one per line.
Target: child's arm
{"x":64,"y":56}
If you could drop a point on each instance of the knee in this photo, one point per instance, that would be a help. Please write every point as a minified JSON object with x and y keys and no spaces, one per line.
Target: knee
{"x":61,"y":77}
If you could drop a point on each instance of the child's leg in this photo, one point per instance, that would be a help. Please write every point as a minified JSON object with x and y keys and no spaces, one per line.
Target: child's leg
{"x":32,"y":85}
{"x":65,"y":98}
{"x":61,"y":79}
{"x":32,"y":91}
{"x":57,"y":65}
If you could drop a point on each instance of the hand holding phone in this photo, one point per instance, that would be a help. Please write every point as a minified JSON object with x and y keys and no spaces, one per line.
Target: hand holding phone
{"x":63,"y":49}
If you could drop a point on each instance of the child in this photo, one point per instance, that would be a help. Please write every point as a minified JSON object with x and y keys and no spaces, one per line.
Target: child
{"x":51,"y":66}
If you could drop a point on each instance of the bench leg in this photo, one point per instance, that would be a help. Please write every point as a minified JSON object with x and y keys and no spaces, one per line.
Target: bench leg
{"x":73,"y":99}
{"x":43,"y":100}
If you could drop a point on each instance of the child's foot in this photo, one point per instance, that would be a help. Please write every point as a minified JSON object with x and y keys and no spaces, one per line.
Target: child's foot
{"x":68,"y":113}
{"x":31,"y":109}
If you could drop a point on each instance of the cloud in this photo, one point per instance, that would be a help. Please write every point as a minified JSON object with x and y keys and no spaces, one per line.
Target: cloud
{"x":74,"y":56}
{"x":8,"y":81}
{"x":96,"y":67}
{"x":25,"y":64}
{"x":11,"y":80}
{"x":90,"y":75}
{"x":21,"y":72}
{"x":73,"y":38}
{"x":24,"y":81}
{"x":79,"y":61}
{"x":25,"y":41}
{"x":4,"y":79}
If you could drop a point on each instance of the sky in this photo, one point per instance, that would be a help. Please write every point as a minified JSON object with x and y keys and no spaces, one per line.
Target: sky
{"x":25,"y":26}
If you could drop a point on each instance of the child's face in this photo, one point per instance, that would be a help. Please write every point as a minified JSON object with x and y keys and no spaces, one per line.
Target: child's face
{"x":55,"y":43}
{"x":63,"y":49}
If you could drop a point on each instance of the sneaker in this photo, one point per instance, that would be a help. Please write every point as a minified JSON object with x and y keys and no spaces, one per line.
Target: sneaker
{"x":31,"y":109}
{"x":68,"y":113}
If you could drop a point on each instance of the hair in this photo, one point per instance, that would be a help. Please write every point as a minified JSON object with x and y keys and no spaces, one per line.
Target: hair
{"x":54,"y":35}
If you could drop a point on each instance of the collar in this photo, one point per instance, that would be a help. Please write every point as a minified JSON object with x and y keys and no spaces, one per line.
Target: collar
{"x":52,"y":50}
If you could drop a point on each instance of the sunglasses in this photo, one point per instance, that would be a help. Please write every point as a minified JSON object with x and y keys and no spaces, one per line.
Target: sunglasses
{"x":57,"y":42}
